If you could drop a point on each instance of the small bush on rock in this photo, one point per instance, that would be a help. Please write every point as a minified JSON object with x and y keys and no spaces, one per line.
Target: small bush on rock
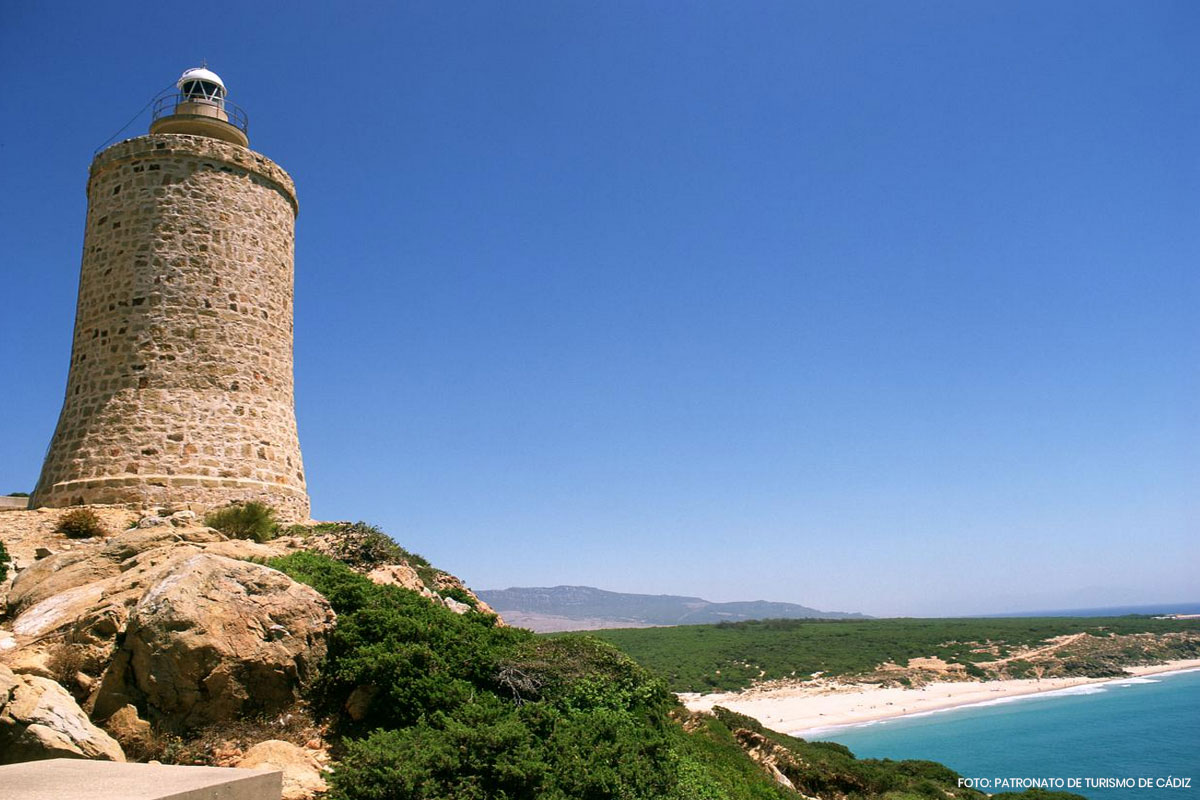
{"x":4,"y":561}
{"x":65,"y":663}
{"x":364,"y":546}
{"x":245,"y":521}
{"x":460,"y":594}
{"x":82,"y":523}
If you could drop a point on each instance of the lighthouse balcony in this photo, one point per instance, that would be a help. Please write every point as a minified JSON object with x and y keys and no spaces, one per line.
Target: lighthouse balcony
{"x":192,"y":114}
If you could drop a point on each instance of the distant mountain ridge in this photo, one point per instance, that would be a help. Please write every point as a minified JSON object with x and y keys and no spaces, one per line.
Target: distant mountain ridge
{"x":559,"y":608}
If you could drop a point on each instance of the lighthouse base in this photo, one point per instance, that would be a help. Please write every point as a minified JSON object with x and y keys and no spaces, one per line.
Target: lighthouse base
{"x":196,"y":492}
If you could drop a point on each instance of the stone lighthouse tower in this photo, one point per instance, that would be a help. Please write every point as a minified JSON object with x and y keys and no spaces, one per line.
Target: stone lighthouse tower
{"x":180,"y":386}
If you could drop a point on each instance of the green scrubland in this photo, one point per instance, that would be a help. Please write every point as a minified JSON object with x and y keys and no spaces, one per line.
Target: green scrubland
{"x":426,"y":704}
{"x":732,"y":656}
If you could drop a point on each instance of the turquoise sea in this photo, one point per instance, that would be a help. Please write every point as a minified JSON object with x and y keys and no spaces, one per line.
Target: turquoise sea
{"x":1144,"y":729}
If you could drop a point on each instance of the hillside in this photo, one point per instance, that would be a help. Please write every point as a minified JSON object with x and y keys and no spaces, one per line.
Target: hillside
{"x":360,"y":670}
{"x":733,"y":656}
{"x":562,"y":608}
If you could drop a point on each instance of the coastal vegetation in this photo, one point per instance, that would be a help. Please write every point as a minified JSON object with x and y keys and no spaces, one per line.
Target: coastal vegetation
{"x":255,"y":521}
{"x":363,"y":546}
{"x":426,"y":703}
{"x":733,"y":656}
{"x":435,"y":704}
{"x":359,"y":668}
{"x":80,"y":523}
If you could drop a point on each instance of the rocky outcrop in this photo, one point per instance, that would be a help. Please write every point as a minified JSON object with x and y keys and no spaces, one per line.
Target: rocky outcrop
{"x":129,"y":555}
{"x":212,"y":639}
{"x":458,"y":598}
{"x":133,"y":732}
{"x":358,"y":704}
{"x":790,"y":770}
{"x":165,"y":626}
{"x":303,"y":775}
{"x":401,"y":575}
{"x":371,"y":552}
{"x":39,"y":719}
{"x":766,"y":754}
{"x":203,"y":634}
{"x":32,"y":535}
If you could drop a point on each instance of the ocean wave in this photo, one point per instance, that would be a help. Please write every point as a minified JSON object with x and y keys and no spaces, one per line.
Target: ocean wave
{"x":1134,"y":681}
{"x":1087,"y":688}
{"x":1003,"y":701}
{"x":809,"y":733}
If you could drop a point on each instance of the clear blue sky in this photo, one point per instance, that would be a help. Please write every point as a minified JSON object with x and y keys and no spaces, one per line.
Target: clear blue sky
{"x":878,"y":306}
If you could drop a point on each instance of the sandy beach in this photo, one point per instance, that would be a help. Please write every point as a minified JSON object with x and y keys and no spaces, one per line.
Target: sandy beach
{"x":804,"y":707}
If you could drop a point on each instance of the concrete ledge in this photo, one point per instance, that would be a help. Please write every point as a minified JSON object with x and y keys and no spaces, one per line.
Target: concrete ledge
{"x":76,"y":779}
{"x":14,"y":503}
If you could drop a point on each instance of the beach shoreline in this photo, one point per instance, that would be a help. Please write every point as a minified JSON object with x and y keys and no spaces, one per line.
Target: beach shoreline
{"x":817,"y":706}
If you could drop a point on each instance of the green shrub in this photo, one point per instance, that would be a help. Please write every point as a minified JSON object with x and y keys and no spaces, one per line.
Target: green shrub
{"x":460,"y":708}
{"x":346,"y":590}
{"x":244,"y":521}
{"x":486,"y":747}
{"x":1018,"y":668}
{"x":418,"y":656}
{"x":17,"y":494}
{"x":364,"y":546}
{"x":295,"y":529}
{"x":711,"y":765}
{"x":483,"y":750}
{"x":834,"y":746}
{"x":460,"y":594}
{"x":81,"y":523}
{"x":4,"y":561}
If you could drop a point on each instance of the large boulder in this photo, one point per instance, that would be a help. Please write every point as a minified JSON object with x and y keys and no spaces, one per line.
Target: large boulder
{"x":84,"y":597}
{"x":214,"y":639}
{"x":39,"y":719}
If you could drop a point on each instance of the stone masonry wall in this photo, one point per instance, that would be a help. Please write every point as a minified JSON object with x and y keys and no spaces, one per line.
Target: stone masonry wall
{"x":180,"y":386}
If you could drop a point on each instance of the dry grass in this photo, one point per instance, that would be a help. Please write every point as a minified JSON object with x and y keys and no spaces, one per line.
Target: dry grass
{"x":80,"y":523}
{"x":221,"y":744}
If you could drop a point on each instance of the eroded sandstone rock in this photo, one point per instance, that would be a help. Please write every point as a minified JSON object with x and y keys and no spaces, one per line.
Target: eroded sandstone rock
{"x":401,"y":575}
{"x":215,"y":638}
{"x":302,"y":774}
{"x":39,"y":719}
{"x":170,"y":619}
{"x":130,"y":730}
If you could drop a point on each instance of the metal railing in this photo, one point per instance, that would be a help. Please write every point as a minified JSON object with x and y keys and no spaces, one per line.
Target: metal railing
{"x":164,"y":106}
